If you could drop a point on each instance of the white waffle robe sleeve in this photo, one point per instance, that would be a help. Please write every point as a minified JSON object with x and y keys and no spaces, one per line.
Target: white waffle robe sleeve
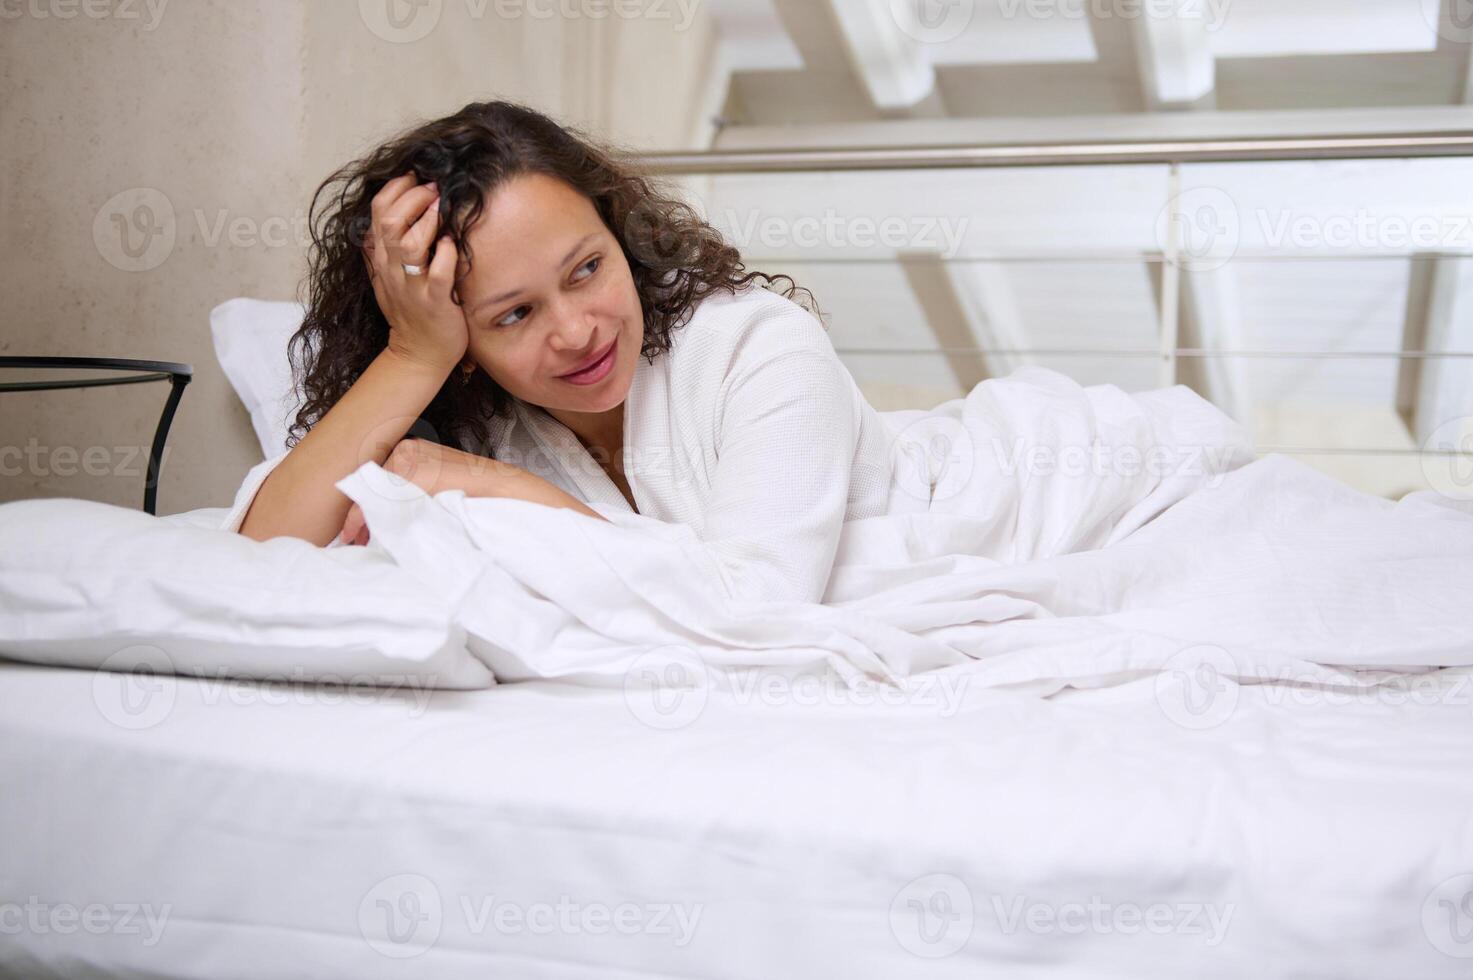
{"x":779,"y":493}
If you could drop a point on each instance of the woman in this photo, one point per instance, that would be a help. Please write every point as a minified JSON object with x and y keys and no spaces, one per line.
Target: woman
{"x":494,"y":282}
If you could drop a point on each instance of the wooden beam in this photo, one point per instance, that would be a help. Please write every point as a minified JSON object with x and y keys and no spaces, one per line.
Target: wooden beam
{"x":1209,"y":319}
{"x":1174,"y":52}
{"x":1439,"y":317}
{"x":979,"y":312}
{"x":857,"y":64}
{"x":893,"y":66}
{"x":1115,"y":49}
{"x":1456,"y":19}
{"x":814,"y":32}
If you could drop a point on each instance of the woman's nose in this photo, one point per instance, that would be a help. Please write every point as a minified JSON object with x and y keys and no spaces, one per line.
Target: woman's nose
{"x":573,"y":332}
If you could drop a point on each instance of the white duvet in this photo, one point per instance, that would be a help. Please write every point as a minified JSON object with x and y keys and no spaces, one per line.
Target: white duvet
{"x":1062,"y":536}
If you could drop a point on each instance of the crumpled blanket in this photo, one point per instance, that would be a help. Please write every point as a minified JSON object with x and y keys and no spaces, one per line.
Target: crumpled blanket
{"x":1062,"y":537}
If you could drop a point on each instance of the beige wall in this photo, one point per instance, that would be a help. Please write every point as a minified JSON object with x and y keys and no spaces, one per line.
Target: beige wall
{"x":238,"y":109}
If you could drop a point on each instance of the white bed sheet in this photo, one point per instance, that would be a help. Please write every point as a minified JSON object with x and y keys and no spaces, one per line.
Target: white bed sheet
{"x":268,"y":825}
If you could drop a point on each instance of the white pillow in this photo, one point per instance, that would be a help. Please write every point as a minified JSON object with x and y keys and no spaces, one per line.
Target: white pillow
{"x":84,"y":583}
{"x":251,"y":337}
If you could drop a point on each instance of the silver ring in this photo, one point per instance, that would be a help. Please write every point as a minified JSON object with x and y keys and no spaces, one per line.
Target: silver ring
{"x":412,"y":270}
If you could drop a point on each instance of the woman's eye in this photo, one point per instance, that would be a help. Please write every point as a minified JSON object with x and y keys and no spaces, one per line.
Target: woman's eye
{"x":503,"y":322}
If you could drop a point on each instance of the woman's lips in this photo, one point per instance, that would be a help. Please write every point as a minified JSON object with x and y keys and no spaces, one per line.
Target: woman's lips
{"x":597,"y":371}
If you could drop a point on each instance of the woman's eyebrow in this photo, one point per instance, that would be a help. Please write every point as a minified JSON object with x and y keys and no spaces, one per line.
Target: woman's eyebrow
{"x":516,"y":292}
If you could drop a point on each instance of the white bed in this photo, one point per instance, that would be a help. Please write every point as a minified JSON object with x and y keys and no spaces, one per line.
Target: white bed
{"x":1095,"y":770}
{"x":268,"y":831}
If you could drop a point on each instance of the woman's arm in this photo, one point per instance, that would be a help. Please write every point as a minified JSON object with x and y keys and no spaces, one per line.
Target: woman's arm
{"x":519,"y":484}
{"x":299,"y":498}
{"x":427,"y":338}
{"x":435,"y":468}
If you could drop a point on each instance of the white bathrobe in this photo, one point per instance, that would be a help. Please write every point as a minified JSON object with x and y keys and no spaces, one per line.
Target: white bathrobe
{"x":749,"y":431}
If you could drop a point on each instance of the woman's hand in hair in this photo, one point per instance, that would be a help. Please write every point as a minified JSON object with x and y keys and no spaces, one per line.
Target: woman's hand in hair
{"x":426,"y":325}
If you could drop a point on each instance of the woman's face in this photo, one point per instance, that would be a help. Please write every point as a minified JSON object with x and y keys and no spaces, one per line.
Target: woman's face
{"x":549,"y":290}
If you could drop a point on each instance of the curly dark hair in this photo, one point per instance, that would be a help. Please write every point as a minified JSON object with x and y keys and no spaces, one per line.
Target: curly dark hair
{"x":676,"y":258}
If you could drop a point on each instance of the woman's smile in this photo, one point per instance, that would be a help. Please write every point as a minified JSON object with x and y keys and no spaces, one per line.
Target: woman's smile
{"x":598,"y":370}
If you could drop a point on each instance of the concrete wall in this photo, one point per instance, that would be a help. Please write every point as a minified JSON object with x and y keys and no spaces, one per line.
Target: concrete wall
{"x":205,"y":125}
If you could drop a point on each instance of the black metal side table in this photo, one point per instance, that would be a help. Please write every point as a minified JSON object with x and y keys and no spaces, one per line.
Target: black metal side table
{"x":178,"y":375}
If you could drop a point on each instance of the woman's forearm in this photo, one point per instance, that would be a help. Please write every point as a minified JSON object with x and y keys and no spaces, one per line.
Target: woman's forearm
{"x":519,"y":484}
{"x":299,"y":498}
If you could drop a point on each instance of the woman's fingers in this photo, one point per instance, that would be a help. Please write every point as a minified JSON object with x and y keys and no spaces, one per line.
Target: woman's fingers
{"x":416,"y":243}
{"x":350,"y":528}
{"x":394,"y":212}
{"x":355,"y":530}
{"x":398,"y":225}
{"x":442,"y":268}
{"x":425,"y":323}
{"x":404,"y":461}
{"x":419,"y":462}
{"x":382,"y":205}
{"x":380,"y":209}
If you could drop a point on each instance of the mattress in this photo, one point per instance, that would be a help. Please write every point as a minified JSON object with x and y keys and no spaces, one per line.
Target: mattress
{"x":174,"y":827}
